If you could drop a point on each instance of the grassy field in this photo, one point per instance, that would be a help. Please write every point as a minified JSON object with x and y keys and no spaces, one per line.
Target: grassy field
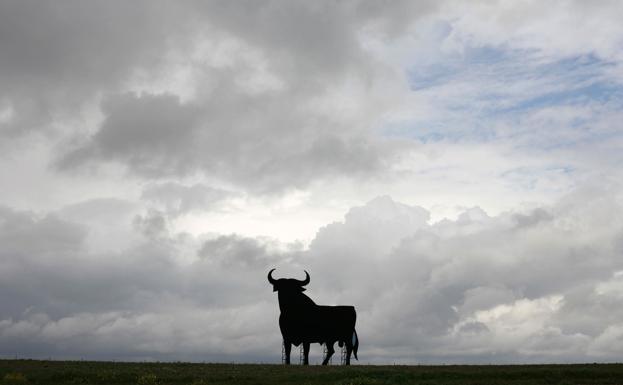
{"x":86,"y":372}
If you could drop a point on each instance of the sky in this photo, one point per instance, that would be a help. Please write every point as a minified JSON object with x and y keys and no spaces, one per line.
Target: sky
{"x":452,"y":169}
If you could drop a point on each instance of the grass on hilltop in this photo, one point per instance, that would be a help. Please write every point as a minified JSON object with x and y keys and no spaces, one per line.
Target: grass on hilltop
{"x":90,"y":372}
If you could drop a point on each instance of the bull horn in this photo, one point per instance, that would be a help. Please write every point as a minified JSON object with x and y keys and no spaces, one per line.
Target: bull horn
{"x":306,"y":281}
{"x":270,"y":277}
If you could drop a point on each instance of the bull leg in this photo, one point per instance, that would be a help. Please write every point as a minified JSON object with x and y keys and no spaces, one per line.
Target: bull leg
{"x":349,"y":351}
{"x":330,"y":352}
{"x":288,"y":348}
{"x":305,"y":353}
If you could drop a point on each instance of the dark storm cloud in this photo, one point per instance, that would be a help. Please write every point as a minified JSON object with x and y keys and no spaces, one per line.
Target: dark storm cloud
{"x":263,"y":147}
{"x":316,"y":41}
{"x":151,"y":133}
{"x":57,"y":55}
{"x":258,"y":117}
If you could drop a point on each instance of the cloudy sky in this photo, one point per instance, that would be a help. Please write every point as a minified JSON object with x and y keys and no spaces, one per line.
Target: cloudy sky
{"x":452,"y":169}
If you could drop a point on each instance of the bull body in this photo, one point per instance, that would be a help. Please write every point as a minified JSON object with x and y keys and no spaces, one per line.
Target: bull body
{"x":303,"y":322}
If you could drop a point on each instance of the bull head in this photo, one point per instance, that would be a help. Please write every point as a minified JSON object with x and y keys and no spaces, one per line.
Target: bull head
{"x":288,"y":283}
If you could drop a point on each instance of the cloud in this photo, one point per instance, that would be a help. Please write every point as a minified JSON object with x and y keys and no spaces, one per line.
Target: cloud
{"x":105,"y":221}
{"x":202,"y":87}
{"x":157,"y":136}
{"x":179,"y":199}
{"x":234,"y":251}
{"x":240,"y":66}
{"x":63,"y":299}
{"x":518,"y":284}
{"x":130,"y":129}
{"x":556,"y":30}
{"x":58,"y":56}
{"x":138,"y":126}
{"x":453,"y":290}
{"x":199,"y":89}
{"x":18,"y":229}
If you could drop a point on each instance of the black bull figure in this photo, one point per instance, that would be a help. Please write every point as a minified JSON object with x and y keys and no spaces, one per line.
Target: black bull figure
{"x":302,"y":321}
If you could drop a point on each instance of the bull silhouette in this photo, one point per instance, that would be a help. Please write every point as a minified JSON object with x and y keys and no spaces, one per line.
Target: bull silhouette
{"x":302,"y":321}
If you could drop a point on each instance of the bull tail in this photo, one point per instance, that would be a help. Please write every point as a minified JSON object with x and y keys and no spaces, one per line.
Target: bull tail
{"x":355,"y":343}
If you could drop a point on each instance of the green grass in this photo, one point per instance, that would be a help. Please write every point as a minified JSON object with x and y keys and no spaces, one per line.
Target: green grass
{"x":87,"y":372}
